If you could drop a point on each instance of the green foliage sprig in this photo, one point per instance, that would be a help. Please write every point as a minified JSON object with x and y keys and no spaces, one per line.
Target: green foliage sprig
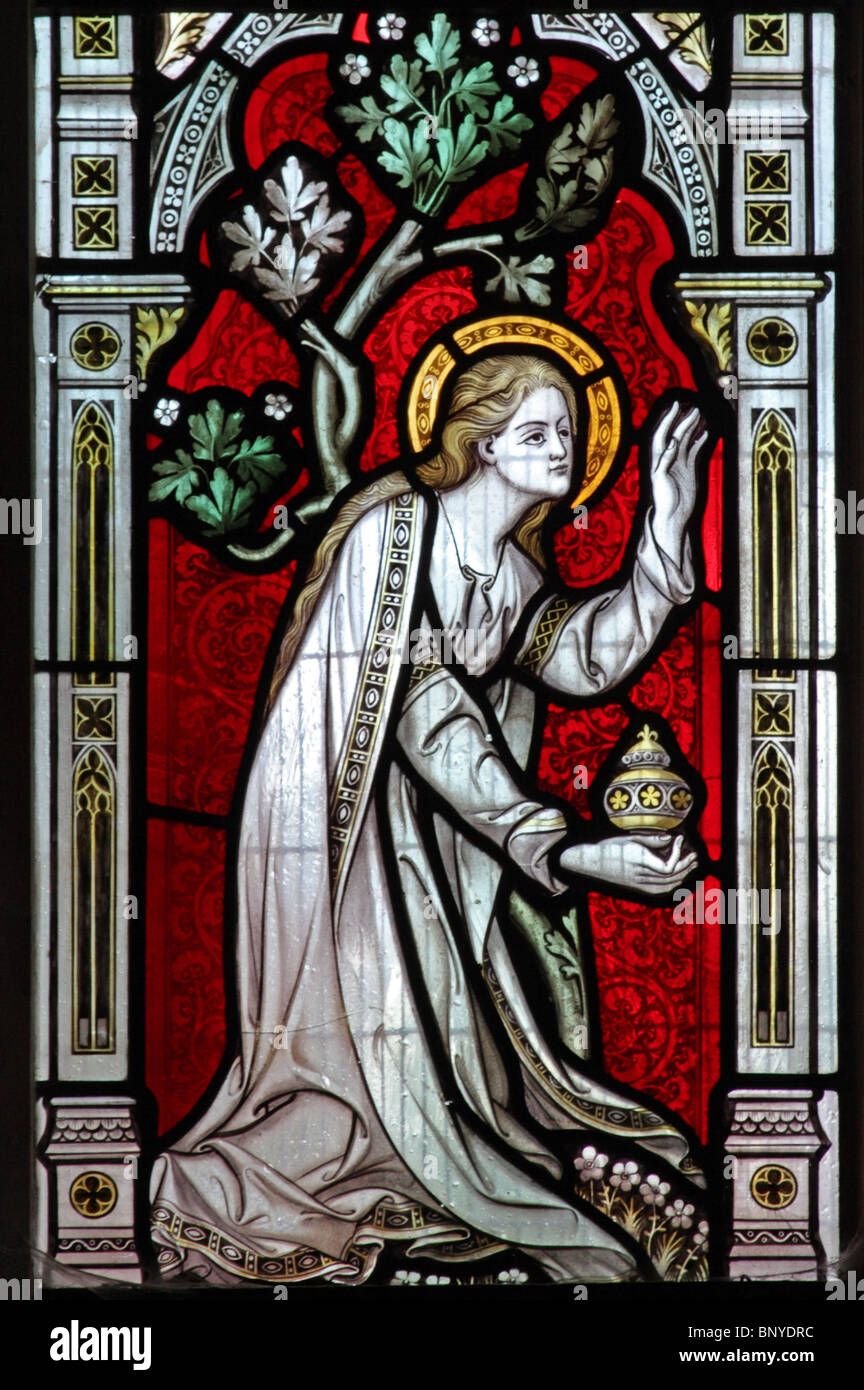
{"x":436,"y":120}
{"x":223,"y":475}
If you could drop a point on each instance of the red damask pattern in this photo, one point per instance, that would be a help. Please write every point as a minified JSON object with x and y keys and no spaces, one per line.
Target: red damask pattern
{"x":591,"y":553}
{"x":659,"y":985}
{"x":288,"y":104}
{"x":208,"y":634}
{"x":712,"y":522}
{"x":496,"y":198}
{"x":612,"y":296}
{"x":568,"y":78}
{"x":185,"y":1005}
{"x":235,"y":346}
{"x":397,"y":339}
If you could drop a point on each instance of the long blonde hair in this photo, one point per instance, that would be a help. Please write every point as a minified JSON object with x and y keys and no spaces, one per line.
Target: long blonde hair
{"x":485,"y":398}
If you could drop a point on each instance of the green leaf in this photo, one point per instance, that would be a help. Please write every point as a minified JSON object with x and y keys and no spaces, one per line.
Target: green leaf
{"x":516,"y":278}
{"x":212,"y":433}
{"x":457,"y":158}
{"x":409,"y":160}
{"x":468,"y":89}
{"x":440,"y":48}
{"x":404,"y":84}
{"x":177,"y":478}
{"x":258,"y":463}
{"x":227,"y":508}
{"x":368,"y":118}
{"x":506,"y":126}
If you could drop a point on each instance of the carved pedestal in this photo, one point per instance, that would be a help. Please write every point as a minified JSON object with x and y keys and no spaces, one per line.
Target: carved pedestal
{"x":774,"y":1141}
{"x":92,"y":1156}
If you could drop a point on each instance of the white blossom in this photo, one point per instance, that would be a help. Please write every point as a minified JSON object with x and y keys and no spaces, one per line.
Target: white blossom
{"x":590,"y":1164}
{"x":390,"y":26}
{"x":679,"y":1213}
{"x":355,"y":68}
{"x":700,"y":1235}
{"x":438,"y":1279}
{"x":653,"y":1191}
{"x":486,"y":31}
{"x":405,"y":1276}
{"x":624,"y":1175}
{"x":166,"y":411}
{"x":276,"y":405}
{"x":524,"y":70}
{"x":512,"y":1276}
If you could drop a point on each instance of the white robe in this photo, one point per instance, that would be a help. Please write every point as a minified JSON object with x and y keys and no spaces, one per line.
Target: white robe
{"x":371,"y":1097}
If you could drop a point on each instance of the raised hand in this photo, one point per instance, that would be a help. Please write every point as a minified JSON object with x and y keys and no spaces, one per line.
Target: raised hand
{"x":678,"y":440}
{"x":656,"y":864}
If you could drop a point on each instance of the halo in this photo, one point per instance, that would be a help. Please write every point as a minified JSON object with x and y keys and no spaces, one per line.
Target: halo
{"x":604,"y":404}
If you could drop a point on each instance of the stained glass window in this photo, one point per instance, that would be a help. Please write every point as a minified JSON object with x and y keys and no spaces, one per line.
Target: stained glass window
{"x":436,"y":646}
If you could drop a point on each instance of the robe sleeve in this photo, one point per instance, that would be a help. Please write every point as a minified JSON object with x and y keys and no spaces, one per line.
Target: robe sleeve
{"x":584,"y":648}
{"x":449,"y":744}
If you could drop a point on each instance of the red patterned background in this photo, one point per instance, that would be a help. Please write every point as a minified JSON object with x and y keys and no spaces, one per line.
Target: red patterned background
{"x":209,"y":627}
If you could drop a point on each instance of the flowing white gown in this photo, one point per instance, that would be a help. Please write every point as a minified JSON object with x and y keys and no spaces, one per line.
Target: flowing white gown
{"x":371,"y":1096}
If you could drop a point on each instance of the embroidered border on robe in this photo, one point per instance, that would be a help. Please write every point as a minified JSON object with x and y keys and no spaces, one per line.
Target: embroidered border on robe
{"x":373,"y":697}
{"x":388,"y":1221}
{"x":545,"y":632}
{"x":611,"y":1119}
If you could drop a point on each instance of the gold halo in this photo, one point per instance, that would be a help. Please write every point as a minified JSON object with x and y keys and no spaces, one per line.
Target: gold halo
{"x":604,"y":405}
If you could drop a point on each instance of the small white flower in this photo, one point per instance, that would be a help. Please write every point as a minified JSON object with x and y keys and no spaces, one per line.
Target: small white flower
{"x":653,"y":1190}
{"x":390,"y":26}
{"x":624,"y":1175}
{"x":590,"y":1164}
{"x":486,"y":31}
{"x":355,"y":68}
{"x":405,"y":1276}
{"x":512,"y":1276}
{"x":700,"y":1235}
{"x":166,"y":411}
{"x":276,"y":405}
{"x":438,"y":1279}
{"x":679,"y":1214}
{"x":524,"y":70}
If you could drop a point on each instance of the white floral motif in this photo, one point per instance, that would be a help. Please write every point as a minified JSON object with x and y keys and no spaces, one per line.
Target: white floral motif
{"x":486,"y":31}
{"x":653,"y":1191}
{"x":590,"y":1164}
{"x":438,"y":1279}
{"x":166,"y":411}
{"x":390,"y":26}
{"x":524,"y":70}
{"x":405,"y":1276}
{"x":624,"y":1175}
{"x":276,"y":405}
{"x":700,"y":1235}
{"x":355,"y":68}
{"x":679,"y":1214}
{"x":512,"y":1276}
